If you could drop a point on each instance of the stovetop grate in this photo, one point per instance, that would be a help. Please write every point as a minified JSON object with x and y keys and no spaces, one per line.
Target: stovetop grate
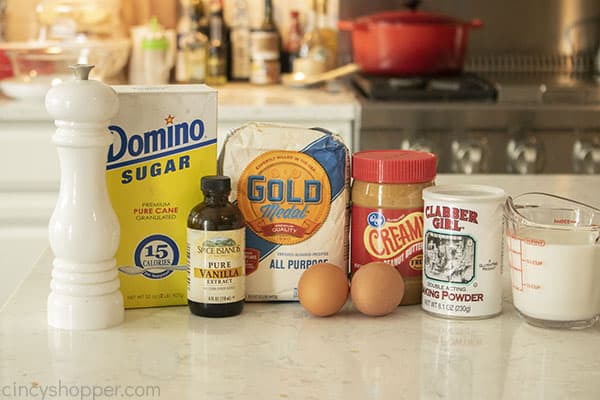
{"x":465,"y":87}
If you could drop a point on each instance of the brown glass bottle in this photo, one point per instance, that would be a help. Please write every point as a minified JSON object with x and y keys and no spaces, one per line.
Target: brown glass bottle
{"x":216,"y":242}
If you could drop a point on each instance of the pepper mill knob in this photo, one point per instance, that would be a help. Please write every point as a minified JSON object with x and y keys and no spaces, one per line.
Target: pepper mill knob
{"x":81,"y":71}
{"x":84,"y":229}
{"x":81,"y":99}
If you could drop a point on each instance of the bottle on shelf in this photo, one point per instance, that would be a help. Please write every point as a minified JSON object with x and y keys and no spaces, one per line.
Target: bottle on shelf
{"x":319,"y":44}
{"x":328,"y":33}
{"x":218,"y":46}
{"x":240,"y":41}
{"x":216,"y":261}
{"x":265,"y":66}
{"x":157,"y":58}
{"x":192,"y":44}
{"x":291,"y":50}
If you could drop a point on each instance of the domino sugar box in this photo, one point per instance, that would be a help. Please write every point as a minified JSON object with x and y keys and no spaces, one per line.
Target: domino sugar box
{"x":164,"y":141}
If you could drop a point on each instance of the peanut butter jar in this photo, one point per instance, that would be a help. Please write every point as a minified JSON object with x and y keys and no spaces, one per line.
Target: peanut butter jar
{"x":387,"y":212}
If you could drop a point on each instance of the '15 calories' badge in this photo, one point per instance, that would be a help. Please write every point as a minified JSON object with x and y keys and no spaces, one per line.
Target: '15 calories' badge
{"x":284,"y":196}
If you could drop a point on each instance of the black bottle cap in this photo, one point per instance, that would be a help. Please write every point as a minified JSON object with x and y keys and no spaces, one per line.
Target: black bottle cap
{"x":215,"y":183}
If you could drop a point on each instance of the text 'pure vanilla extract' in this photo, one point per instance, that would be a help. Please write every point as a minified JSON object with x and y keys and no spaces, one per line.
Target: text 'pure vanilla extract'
{"x":215,"y":245}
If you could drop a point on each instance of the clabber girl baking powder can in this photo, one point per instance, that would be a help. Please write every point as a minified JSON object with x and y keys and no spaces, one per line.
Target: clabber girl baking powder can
{"x":462,"y":251}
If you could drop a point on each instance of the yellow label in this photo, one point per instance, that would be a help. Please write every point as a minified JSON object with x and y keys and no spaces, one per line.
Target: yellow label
{"x":207,"y":273}
{"x":216,"y":266}
{"x":284,"y":196}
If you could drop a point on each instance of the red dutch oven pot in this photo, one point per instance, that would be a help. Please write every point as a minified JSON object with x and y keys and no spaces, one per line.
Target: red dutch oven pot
{"x":398,"y":43}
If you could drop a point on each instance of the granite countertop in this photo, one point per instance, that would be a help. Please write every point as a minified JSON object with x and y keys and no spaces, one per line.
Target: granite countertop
{"x":278,"y":351}
{"x":237,"y":101}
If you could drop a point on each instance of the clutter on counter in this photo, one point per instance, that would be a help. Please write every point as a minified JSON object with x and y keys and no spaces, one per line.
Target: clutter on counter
{"x":68,"y":33}
{"x":450,"y":240}
{"x":208,"y":45}
{"x":291,"y":185}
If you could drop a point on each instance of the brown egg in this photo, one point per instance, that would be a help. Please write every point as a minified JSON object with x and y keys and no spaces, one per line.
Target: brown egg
{"x":323,"y":289}
{"x":376,"y":289}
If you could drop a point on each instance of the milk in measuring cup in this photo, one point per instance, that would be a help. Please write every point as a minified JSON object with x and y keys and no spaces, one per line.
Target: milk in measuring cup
{"x":555,"y":274}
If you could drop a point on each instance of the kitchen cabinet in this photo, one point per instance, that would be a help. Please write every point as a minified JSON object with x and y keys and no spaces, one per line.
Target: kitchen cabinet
{"x":278,"y":351}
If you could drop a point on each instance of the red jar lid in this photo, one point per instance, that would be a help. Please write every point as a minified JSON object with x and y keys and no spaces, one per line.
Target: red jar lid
{"x":394,"y":166}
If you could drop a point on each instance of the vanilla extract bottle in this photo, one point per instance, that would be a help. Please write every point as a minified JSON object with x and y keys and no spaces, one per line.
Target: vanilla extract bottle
{"x":215,"y":245}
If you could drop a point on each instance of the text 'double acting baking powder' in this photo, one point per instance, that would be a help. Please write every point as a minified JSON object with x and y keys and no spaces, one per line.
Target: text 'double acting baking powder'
{"x":462,"y":251}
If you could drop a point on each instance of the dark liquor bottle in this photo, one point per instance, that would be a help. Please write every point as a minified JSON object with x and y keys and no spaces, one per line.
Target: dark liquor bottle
{"x":191,"y":43}
{"x":215,"y":244}
{"x":217,"y":62}
{"x":293,"y":41}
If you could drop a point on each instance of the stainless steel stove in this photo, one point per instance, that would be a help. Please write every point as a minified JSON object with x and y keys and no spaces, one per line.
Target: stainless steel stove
{"x":464,"y":87}
{"x":529,"y":101}
{"x":535,"y":124}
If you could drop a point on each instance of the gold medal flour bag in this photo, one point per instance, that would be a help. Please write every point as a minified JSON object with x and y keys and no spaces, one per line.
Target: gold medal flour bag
{"x":292,"y":187}
{"x":164,"y":142}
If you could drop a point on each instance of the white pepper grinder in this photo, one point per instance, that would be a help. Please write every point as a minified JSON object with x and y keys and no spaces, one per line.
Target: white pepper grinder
{"x":84,"y":230}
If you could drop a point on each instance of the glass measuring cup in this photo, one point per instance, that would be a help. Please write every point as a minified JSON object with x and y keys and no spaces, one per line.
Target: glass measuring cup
{"x":554,"y":259}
